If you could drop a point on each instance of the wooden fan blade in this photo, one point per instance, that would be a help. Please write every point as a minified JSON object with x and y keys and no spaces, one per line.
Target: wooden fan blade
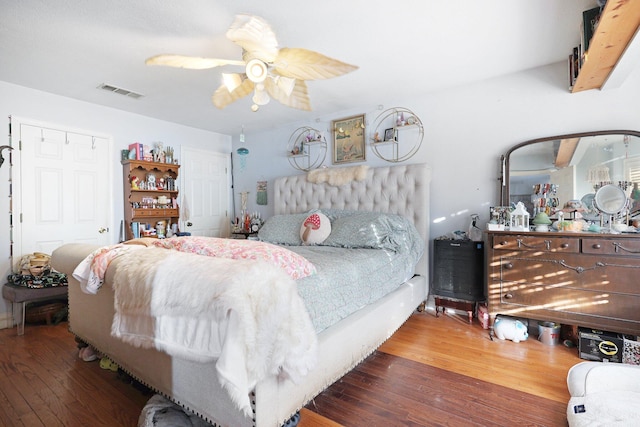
{"x":304,"y":64}
{"x":222,"y":97}
{"x":299,"y":97}
{"x":255,"y":36}
{"x":191,"y":62}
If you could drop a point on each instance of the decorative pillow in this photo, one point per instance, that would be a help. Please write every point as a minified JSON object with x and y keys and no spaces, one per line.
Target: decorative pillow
{"x":334,"y":214}
{"x":315,"y":229}
{"x":372,"y":230}
{"x":283,"y":229}
{"x":295,"y":265}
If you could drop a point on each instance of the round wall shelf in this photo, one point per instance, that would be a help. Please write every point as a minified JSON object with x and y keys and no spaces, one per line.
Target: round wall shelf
{"x":307,"y":148}
{"x":397,"y":134}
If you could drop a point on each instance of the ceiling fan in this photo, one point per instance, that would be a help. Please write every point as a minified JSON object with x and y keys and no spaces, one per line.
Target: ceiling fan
{"x":269,"y":71}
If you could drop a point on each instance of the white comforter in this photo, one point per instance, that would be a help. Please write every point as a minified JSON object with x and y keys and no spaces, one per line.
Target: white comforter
{"x":245,"y":315}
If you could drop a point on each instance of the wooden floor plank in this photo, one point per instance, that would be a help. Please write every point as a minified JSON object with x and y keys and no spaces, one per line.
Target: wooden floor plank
{"x":70,"y":392}
{"x":468,"y":350}
{"x":397,"y":391}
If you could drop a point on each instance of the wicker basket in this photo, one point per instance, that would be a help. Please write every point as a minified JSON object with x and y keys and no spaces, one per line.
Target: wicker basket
{"x":40,"y":313}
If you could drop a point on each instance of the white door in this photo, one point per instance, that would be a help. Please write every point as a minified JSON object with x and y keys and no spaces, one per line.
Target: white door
{"x":204,"y":192}
{"x":64,"y":189}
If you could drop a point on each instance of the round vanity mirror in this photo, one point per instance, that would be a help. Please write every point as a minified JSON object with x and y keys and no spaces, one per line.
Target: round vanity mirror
{"x":610,"y":199}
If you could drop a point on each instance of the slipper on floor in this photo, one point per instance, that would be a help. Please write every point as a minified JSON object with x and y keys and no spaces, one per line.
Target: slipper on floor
{"x":87,"y":354}
{"x":106,"y":363}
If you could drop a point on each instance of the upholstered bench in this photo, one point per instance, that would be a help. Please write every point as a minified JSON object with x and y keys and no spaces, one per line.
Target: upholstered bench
{"x":21,"y":295}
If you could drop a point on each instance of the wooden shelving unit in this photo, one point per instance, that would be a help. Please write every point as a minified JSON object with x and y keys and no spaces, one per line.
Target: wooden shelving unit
{"x":136,"y":209}
{"x":619,"y":23}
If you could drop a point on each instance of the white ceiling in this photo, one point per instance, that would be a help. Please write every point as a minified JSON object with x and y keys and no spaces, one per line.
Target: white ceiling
{"x":404,"y":49}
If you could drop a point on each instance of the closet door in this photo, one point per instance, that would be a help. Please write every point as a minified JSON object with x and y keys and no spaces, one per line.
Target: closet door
{"x":204,"y":192}
{"x":64,"y":193}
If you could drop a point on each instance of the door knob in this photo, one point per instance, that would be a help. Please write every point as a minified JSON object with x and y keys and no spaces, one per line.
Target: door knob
{"x":102,"y":230}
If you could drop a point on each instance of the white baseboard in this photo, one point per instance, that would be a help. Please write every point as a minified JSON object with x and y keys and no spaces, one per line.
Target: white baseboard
{"x":5,"y":320}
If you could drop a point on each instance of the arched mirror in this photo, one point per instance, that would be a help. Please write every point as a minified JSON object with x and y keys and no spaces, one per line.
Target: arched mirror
{"x":546,"y":174}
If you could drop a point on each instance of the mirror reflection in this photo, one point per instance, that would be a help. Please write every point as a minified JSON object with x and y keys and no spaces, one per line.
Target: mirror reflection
{"x":561,"y":176}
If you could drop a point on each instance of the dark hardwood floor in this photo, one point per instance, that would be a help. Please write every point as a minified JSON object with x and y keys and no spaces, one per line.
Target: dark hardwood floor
{"x":44,"y":383}
{"x":432,"y":372}
{"x":444,"y":372}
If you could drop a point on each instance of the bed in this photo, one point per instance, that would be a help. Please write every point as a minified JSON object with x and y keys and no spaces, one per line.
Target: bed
{"x":401,"y":190}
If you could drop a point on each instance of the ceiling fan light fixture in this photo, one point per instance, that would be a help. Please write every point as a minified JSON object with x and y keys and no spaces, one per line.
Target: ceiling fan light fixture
{"x":256,"y":70}
{"x":286,"y":84}
{"x":231,"y":81}
{"x":260,"y":97}
{"x":269,"y":71}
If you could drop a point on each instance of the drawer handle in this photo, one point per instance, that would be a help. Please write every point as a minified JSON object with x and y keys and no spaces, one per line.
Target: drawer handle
{"x":504,"y":243}
{"x":596,"y":246}
{"x":564,"y":245}
{"x":619,"y":248}
{"x":508,"y":296}
{"x":508,"y":266}
{"x":521,"y":243}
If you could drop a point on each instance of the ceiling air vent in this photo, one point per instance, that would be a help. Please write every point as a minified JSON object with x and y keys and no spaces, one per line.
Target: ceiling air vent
{"x":120,"y":91}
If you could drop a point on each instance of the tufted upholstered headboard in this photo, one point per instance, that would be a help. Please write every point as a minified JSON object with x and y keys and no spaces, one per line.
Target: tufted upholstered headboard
{"x":402,"y":190}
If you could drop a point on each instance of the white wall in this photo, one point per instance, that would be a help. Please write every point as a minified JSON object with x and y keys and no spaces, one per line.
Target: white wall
{"x":123,"y":127}
{"x":466,"y":131}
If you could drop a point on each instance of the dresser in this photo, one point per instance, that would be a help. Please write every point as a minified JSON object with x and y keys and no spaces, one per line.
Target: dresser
{"x":584,"y":279}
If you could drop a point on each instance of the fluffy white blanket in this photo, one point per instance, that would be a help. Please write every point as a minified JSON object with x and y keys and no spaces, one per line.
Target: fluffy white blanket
{"x":338,"y":176}
{"x":247,"y":315}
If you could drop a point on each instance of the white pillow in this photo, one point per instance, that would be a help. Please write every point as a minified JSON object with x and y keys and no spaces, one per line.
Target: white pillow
{"x":315,"y":229}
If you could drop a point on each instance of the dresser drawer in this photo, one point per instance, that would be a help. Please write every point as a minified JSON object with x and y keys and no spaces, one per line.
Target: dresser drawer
{"x":591,"y":302}
{"x":628,"y":247}
{"x":155,"y":213}
{"x":587,"y":272}
{"x":536,"y":243}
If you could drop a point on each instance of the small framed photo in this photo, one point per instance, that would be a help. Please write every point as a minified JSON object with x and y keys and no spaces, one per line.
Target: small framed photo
{"x":390,"y":134}
{"x":499,"y":217}
{"x":348,"y":140}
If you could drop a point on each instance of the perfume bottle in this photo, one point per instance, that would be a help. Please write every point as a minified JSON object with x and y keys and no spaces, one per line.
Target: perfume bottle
{"x":475,"y":233}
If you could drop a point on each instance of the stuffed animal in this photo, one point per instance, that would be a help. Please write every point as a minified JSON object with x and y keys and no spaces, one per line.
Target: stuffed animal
{"x":510,"y":329}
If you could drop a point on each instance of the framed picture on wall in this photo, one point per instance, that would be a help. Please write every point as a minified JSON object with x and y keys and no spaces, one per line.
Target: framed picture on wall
{"x":348,"y":140}
{"x":390,"y":134}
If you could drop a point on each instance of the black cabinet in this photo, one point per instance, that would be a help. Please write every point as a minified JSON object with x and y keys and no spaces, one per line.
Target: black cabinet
{"x":458,"y":270}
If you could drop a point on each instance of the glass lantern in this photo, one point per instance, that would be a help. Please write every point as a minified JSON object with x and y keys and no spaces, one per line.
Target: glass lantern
{"x":519,"y":218}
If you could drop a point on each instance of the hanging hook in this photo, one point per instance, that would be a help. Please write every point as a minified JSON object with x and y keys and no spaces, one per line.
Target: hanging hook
{"x":2,"y":147}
